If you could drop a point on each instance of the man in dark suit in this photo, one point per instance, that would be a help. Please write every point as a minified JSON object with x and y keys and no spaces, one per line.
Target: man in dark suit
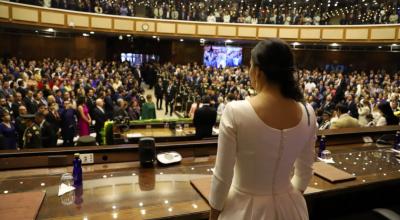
{"x":68,"y":124}
{"x":204,"y":119}
{"x":170,"y":92}
{"x":100,"y":117}
{"x":48,"y":134}
{"x":352,"y":106}
{"x":158,"y":93}
{"x":91,"y":101}
{"x":30,"y":103}
{"x":20,"y":125}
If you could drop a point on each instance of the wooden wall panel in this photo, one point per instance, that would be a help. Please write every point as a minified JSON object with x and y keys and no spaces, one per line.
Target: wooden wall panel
{"x":4,"y":13}
{"x":164,"y":27}
{"x":229,"y":31}
{"x":383,"y":33}
{"x":123,"y":24}
{"x":25,"y":14}
{"x":186,"y":29}
{"x":139,"y":25}
{"x":289,"y":33}
{"x":268,"y":32}
{"x":49,"y":17}
{"x":207,"y":30}
{"x":332,"y":34}
{"x":99,"y":22}
{"x":247,"y":32}
{"x":357,"y":34}
{"x":78,"y":20}
{"x":310,"y":33}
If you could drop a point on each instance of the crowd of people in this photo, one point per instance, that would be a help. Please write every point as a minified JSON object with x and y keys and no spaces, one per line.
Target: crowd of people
{"x":42,"y":101}
{"x":240,"y":11}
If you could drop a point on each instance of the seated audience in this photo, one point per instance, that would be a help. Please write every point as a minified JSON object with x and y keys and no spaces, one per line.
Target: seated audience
{"x":386,"y":115}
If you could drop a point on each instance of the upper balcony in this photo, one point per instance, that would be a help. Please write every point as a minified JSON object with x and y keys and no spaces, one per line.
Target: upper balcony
{"x":21,"y":14}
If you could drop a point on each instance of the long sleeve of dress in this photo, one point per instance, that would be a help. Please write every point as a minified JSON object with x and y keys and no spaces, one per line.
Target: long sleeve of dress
{"x":303,"y":164}
{"x":226,"y":158}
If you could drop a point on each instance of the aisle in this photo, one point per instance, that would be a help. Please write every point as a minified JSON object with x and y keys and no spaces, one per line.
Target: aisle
{"x":159,"y":113}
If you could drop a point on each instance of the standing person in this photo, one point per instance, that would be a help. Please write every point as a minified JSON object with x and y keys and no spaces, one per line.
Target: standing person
{"x":170,"y":93}
{"x":148,"y":109}
{"x":158,"y":92}
{"x":261,"y":140}
{"x":100,"y":117}
{"x":47,"y":132}
{"x":8,"y":133}
{"x":84,"y":119}
{"x":32,"y":134}
{"x":204,"y":119}
{"x":20,"y":125}
{"x":68,"y":124}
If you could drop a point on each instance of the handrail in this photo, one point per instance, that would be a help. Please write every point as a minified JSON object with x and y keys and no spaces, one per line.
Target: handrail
{"x":22,"y":14}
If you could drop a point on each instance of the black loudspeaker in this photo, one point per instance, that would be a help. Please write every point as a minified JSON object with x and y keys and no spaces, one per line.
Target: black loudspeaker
{"x":147,"y":151}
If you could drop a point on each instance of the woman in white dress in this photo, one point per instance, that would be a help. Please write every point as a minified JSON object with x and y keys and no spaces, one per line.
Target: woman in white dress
{"x":265,"y":144}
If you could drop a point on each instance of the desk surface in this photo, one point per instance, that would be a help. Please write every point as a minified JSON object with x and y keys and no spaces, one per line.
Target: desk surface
{"x":125,"y":191}
{"x":160,"y":132}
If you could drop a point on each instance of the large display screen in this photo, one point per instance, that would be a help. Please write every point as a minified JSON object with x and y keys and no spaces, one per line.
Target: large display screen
{"x":138,"y":59}
{"x":219,"y":56}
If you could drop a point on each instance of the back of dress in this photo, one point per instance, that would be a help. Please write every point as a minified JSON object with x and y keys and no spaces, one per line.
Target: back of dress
{"x":260,"y":161}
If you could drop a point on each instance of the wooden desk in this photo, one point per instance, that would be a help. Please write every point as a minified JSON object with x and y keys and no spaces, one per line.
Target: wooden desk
{"x":126,"y":191}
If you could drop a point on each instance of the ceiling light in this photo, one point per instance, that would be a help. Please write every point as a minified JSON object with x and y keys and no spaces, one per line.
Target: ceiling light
{"x":296,"y":43}
{"x":85,"y":35}
{"x":181,"y":40}
{"x":120,"y":37}
{"x":128,"y":35}
{"x":334,"y":44}
{"x":50,"y":30}
{"x":92,"y":32}
{"x":394,"y":45}
{"x":154,"y":37}
{"x":229,"y":41}
{"x":380,"y":47}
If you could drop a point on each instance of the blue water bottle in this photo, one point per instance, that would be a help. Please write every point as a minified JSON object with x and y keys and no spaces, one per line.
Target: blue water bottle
{"x":322,"y":145}
{"x":77,"y":170}
{"x":396,"y":144}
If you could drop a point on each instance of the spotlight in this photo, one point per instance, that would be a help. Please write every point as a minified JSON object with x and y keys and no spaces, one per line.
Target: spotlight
{"x":334,"y":44}
{"x":128,"y":35}
{"x":120,"y":37}
{"x":154,"y":37}
{"x":229,"y":41}
{"x":85,"y":35}
{"x":92,"y":32}
{"x":181,"y":40}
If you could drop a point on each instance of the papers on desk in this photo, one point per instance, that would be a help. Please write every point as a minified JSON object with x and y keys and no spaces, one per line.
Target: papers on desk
{"x":134,"y":135}
{"x":326,"y":160}
{"x":64,"y":189}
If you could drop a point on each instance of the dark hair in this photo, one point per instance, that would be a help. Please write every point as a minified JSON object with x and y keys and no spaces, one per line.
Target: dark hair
{"x":81,"y":100}
{"x":342,"y":108}
{"x":206,"y":99}
{"x":275,"y":58}
{"x":387,"y":112}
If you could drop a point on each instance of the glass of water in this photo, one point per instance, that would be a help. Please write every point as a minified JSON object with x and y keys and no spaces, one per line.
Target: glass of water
{"x":67,"y":179}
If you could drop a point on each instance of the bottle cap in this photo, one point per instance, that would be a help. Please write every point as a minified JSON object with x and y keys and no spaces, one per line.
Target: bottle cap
{"x":76,"y":155}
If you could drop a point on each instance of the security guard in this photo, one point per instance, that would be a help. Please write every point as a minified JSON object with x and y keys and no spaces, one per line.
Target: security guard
{"x":32,"y":135}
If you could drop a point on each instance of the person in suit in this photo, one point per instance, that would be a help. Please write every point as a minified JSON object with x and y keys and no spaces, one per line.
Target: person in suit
{"x":170,"y":92}
{"x":53,"y":117}
{"x":204,"y":119}
{"x":100,"y":117}
{"x":30,"y":103}
{"x":32,"y":135}
{"x":148,"y":109}
{"x":344,"y":120}
{"x":352,"y":106}
{"x":47,"y":132}
{"x":158,"y":92}
{"x":91,"y":101}
{"x":68,"y":125}
{"x":20,"y":125}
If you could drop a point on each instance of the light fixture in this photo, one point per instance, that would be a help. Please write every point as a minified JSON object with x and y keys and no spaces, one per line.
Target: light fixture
{"x":334,"y":44}
{"x":50,"y":30}
{"x":120,"y":37}
{"x":394,"y":45}
{"x":380,"y":47}
{"x":128,"y":35}
{"x":181,"y":40}
{"x":154,"y":37}
{"x":85,"y":35}
{"x":296,"y":43}
{"x":36,"y":31}
{"x":202,"y":40}
{"x":228,"y":41}
{"x":92,"y":32}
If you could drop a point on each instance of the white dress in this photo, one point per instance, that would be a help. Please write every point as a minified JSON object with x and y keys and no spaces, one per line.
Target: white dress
{"x":259,"y":170}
